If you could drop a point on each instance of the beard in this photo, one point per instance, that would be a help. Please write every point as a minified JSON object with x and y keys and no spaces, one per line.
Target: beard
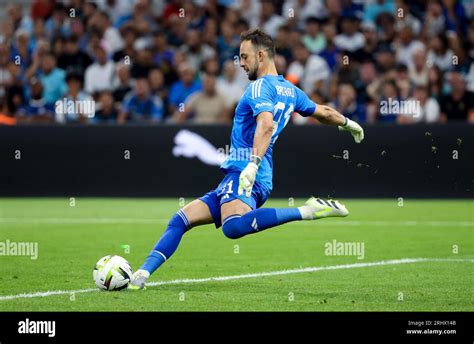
{"x":253,"y":72}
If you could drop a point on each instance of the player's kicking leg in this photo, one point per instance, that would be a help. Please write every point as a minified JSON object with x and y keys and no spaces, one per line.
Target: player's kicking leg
{"x":240,"y":219}
{"x":193,"y":214}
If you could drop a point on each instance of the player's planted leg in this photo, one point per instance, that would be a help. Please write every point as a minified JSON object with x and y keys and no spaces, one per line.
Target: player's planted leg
{"x":236,"y":226}
{"x":194,"y":214}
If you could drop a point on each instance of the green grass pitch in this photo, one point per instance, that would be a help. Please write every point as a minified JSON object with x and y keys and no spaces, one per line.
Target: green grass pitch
{"x":72,"y":238}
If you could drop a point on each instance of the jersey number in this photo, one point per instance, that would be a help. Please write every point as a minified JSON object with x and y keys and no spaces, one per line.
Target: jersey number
{"x":278,"y":116}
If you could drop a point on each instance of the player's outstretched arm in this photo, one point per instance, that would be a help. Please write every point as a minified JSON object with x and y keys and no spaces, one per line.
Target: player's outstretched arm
{"x":327,"y":115}
{"x":261,"y":141}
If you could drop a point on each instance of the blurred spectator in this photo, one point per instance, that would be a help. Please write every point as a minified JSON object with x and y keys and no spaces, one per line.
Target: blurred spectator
{"x":20,"y":21}
{"x":101,"y":74}
{"x":37,"y":109}
{"x":313,"y":39}
{"x":158,"y":88}
{"x":15,"y":95}
{"x":350,"y":39}
{"x":41,"y":9}
{"x":402,"y":79}
{"x":211,"y":66}
{"x":283,"y":42}
{"x":124,"y":82}
{"x":100,"y":21}
{"x":143,"y":63}
{"x":128,"y":52}
{"x":346,"y":103}
{"x":440,"y":54}
{"x":407,"y":19}
{"x":196,"y":52}
{"x":390,"y":95}
{"x":39,"y":33}
{"x":140,"y":105}
{"x":184,"y":87}
{"x":5,"y":77}
{"x":115,"y":8}
{"x":435,"y":82}
{"x":330,"y":53}
{"x":162,"y":54}
{"x":417,"y":68}
{"x":348,"y":71}
{"x":434,"y":19}
{"x":406,"y":45}
{"x":280,"y":64}
{"x":52,"y":78}
{"x":206,"y":106}
{"x":59,"y":24}
{"x":367,"y":76}
{"x":386,"y":28}
{"x":374,"y":8}
{"x":72,"y":57}
{"x":141,"y":17}
{"x":107,"y":111}
{"x":428,"y":108}
{"x":75,"y":93}
{"x":384,"y":57}
{"x":269,"y":19}
{"x":458,"y":104}
{"x":230,"y":85}
{"x":454,"y":16}
{"x":227,"y":43}
{"x":310,"y":71}
{"x":302,"y":10}
{"x":21,"y":48}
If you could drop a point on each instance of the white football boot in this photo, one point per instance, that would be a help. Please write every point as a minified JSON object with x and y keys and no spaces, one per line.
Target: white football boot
{"x":138,"y":280}
{"x":317,"y":208}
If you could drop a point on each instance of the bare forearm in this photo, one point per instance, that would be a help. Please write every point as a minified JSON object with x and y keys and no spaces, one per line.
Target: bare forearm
{"x":327,"y":115}
{"x":263,"y":135}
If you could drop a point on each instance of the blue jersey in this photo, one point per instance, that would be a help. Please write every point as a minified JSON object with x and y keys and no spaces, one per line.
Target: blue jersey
{"x":269,"y":93}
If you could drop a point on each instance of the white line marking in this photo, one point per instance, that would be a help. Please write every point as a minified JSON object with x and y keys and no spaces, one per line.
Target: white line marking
{"x":333,"y":222}
{"x":254,"y":275}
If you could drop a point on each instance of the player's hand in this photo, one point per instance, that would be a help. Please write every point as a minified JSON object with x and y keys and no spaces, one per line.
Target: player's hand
{"x":247,"y":178}
{"x":355,"y":129}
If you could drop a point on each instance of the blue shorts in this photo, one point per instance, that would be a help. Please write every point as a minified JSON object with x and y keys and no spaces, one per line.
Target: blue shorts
{"x":228,"y":191}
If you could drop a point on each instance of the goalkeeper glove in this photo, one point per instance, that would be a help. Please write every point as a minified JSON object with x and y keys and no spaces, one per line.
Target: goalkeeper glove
{"x":354,"y":128}
{"x":248,"y":175}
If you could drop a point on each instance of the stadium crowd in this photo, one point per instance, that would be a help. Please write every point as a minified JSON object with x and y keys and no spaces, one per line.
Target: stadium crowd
{"x":176,"y":61}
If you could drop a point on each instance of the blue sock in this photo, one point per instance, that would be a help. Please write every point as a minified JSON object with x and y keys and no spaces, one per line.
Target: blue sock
{"x":236,"y":226}
{"x":168,"y":242}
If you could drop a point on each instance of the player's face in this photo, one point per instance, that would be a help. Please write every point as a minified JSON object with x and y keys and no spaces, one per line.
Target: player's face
{"x":248,"y":59}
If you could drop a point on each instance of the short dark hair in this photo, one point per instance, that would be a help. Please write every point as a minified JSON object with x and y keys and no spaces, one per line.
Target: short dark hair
{"x":259,"y":38}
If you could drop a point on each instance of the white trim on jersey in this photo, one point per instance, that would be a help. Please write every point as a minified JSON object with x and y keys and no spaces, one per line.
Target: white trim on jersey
{"x":256,"y":88}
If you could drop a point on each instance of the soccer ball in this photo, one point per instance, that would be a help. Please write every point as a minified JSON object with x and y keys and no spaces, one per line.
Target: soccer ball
{"x":112,"y":273}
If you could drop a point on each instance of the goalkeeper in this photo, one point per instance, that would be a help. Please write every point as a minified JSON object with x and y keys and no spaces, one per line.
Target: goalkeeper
{"x":261,"y":114}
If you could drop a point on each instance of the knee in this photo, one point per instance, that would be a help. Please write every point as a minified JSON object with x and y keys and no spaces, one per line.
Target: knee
{"x":179,"y":222}
{"x":230,"y":228}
